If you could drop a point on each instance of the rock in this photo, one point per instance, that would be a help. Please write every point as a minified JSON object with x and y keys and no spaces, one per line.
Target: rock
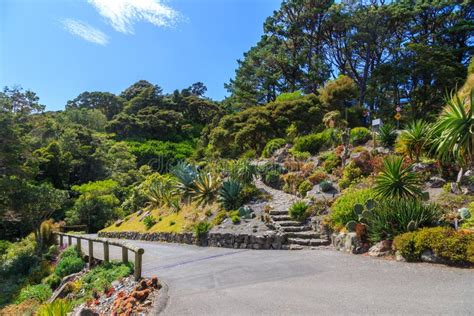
{"x":420,"y":166}
{"x":381,"y":248}
{"x":430,"y":257}
{"x":296,"y":247}
{"x":86,"y":312}
{"x":399,"y":257}
{"x":436,"y":182}
{"x":349,"y":242}
{"x":118,"y":222}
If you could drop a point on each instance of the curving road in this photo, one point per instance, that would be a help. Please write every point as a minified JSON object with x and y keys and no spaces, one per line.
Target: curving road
{"x":220,"y":281}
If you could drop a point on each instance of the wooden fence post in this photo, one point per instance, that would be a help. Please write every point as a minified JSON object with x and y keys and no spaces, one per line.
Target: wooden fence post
{"x":61,"y":242}
{"x":79,"y":244}
{"x":124,"y":254}
{"x":69,"y":241}
{"x":106,"y":251}
{"x":91,"y":252}
{"x":138,"y":264}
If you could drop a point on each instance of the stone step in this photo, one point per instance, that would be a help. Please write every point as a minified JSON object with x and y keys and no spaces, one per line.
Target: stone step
{"x":286,"y":229}
{"x":308,"y":242}
{"x":302,"y":235}
{"x":278,"y":218}
{"x":289,"y":223}
{"x":278,"y":212}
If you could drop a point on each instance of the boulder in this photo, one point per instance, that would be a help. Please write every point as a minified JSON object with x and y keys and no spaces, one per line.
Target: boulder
{"x":118,"y":222}
{"x":430,"y":257}
{"x":436,"y":182}
{"x":399,"y":257}
{"x":381,"y":248}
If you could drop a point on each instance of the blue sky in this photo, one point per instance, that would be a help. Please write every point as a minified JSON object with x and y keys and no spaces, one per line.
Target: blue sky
{"x":60,"y":48}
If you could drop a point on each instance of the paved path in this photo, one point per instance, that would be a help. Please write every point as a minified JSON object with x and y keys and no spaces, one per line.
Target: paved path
{"x":219,"y":281}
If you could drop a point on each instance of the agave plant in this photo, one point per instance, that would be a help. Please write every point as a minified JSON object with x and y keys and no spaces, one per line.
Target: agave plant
{"x":185,"y":174}
{"x":396,"y":181}
{"x":229,"y":194}
{"x":205,"y":188}
{"x":162,"y":191}
{"x":454,"y":131}
{"x":387,"y":135}
{"x":414,"y":139}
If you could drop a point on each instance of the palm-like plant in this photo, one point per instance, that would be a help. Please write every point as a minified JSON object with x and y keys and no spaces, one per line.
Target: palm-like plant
{"x":413,"y":139}
{"x":387,"y":135}
{"x":229,"y":194}
{"x":396,"y":181}
{"x":205,"y":188}
{"x":454,"y":131}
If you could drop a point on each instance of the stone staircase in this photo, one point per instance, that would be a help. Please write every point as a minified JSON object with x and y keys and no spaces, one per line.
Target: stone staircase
{"x":297,"y":234}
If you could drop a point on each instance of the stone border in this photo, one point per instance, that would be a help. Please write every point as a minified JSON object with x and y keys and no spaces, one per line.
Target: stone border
{"x":161,"y":300}
{"x":268,"y":240}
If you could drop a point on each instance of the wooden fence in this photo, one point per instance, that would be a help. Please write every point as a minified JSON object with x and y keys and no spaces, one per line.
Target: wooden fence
{"x":106,"y":243}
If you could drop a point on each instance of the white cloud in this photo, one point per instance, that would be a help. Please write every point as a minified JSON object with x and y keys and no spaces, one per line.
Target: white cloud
{"x":85,"y":31}
{"x":122,"y":14}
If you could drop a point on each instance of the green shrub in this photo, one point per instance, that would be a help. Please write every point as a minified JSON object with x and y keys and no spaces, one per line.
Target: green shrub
{"x":167,"y":153}
{"x":69,"y":265}
{"x":202,"y":228}
{"x":298,"y":210}
{"x":100,"y":278}
{"x":70,"y":251}
{"x":4,"y":244}
{"x":313,"y":143}
{"x":235,"y":218}
{"x":219,"y":218}
{"x":326,"y":186}
{"x":39,"y":292}
{"x":229,"y":194}
{"x":298,"y":155}
{"x":342,"y":208}
{"x":272,"y":146}
{"x":350,"y":175}
{"x":397,"y":181}
{"x":60,"y":307}
{"x":53,"y":280}
{"x":392,"y":217}
{"x":359,"y":135}
{"x":149,"y":221}
{"x":304,"y":187}
{"x":447,"y":243}
{"x":330,"y":161}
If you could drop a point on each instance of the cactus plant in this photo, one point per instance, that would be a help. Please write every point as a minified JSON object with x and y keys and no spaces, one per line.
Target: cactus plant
{"x":351,"y":226}
{"x":464,"y":213}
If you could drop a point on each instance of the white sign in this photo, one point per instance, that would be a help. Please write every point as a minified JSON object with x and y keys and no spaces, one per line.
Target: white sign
{"x":376,"y":122}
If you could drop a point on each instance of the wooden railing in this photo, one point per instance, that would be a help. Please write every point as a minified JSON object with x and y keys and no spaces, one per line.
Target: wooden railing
{"x":106,"y":243}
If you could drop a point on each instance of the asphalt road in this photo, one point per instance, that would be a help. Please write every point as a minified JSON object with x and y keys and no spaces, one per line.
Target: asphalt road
{"x":220,"y":281}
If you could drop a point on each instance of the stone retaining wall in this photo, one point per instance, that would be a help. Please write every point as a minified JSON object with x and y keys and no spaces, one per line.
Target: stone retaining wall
{"x":268,"y":240}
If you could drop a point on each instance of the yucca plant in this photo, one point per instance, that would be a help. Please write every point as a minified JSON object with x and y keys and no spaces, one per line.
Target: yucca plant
{"x":414,"y":139}
{"x":387,"y":135}
{"x":185,"y":174}
{"x":205,"y":188}
{"x":229,"y":194}
{"x":396,"y":181}
{"x":454,"y":131}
